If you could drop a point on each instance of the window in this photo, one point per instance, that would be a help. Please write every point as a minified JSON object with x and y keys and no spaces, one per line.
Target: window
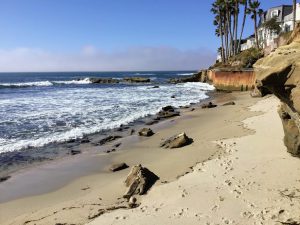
{"x":274,"y":13}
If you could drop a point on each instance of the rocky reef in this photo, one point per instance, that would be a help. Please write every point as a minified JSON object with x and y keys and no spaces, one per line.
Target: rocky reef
{"x":279,"y":72}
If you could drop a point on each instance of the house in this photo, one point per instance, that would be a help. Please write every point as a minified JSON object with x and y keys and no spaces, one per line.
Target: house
{"x":284,"y":17}
{"x":248,"y":43}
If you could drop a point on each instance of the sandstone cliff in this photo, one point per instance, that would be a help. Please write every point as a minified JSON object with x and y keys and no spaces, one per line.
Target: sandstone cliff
{"x":280,"y":73}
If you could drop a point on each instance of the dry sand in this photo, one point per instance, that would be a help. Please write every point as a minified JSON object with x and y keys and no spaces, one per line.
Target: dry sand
{"x":250,"y":180}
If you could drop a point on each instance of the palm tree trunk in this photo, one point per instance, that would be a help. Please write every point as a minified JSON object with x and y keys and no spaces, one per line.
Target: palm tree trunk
{"x":294,"y":13}
{"x":236,"y":19}
{"x":243,"y":24}
{"x":222,"y":38}
{"x":255,"y":29}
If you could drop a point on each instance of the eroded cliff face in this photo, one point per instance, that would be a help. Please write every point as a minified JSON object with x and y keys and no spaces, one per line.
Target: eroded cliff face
{"x":280,"y":73}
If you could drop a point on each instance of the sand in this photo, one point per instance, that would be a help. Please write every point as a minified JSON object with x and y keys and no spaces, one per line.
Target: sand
{"x":233,"y":174}
{"x":252,"y":181}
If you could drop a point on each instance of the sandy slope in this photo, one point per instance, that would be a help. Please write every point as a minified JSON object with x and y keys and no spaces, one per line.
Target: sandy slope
{"x":253,"y":180}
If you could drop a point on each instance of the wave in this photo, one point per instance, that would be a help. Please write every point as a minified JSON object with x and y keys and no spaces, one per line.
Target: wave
{"x":88,"y":114}
{"x":143,"y":74}
{"x":43,"y":83}
{"x":26,"y":84}
{"x":81,"y":81}
{"x":185,"y":74}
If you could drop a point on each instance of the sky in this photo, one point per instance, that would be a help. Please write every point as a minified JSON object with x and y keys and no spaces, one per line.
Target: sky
{"x":109,"y":35}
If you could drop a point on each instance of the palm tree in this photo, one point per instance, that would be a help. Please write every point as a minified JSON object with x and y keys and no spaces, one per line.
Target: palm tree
{"x":294,"y":13}
{"x":255,"y":11}
{"x":217,"y":9}
{"x":245,"y":3}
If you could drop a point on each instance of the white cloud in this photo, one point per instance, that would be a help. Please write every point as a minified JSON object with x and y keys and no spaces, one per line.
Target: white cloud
{"x":91,"y":59}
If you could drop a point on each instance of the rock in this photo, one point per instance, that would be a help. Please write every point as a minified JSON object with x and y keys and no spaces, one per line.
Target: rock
{"x":97,"y":80}
{"x":4,"y":178}
{"x":168,"y":108}
{"x":173,"y":96}
{"x":177,"y":141}
{"x":208,"y":106}
{"x":192,"y":109}
{"x":155,"y":87}
{"x":139,"y":181}
{"x":117,"y":145}
{"x":229,"y":103}
{"x":132,"y":131}
{"x":84,"y":140}
{"x":279,"y":74}
{"x":118,"y":167}
{"x":75,"y":152}
{"x":136,"y":79}
{"x":151,"y":122}
{"x":201,"y":76}
{"x":107,"y":139}
{"x":132,"y":202}
{"x":146,"y":132}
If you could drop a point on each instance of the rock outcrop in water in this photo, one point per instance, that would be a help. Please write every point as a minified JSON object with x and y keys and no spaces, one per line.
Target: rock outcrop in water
{"x":201,"y":76}
{"x":280,"y":73}
{"x":136,"y":80}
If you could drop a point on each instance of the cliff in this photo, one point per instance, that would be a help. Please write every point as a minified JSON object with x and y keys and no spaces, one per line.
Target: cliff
{"x":279,"y":72}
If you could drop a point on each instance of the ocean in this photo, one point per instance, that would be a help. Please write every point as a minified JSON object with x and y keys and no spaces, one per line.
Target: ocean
{"x":37,"y":109}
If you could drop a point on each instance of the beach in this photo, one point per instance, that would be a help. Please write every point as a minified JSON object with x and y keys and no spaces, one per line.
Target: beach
{"x":225,"y":175}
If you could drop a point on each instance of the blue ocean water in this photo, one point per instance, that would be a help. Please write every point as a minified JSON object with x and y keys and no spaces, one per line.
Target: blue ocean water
{"x":37,"y":109}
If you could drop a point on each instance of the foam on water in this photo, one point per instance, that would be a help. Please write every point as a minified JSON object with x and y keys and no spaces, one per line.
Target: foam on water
{"x":27,"y":84}
{"x":185,"y":74}
{"x":62,"y":114}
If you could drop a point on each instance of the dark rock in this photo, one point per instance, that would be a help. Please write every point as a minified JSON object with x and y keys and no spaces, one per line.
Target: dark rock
{"x":167,"y":112}
{"x":208,"y":106}
{"x":155,"y":87}
{"x":136,"y":79}
{"x":229,"y":103}
{"x":97,"y":80}
{"x":117,"y":145}
{"x":177,"y":141}
{"x":118,"y":167}
{"x":146,"y":132}
{"x":75,"y":152}
{"x":168,"y":108}
{"x":192,"y":109}
{"x":139,"y":181}
{"x":132,"y":131}
{"x":84,"y":141}
{"x":5,"y":178}
{"x":173,"y":96}
{"x":108,"y":139}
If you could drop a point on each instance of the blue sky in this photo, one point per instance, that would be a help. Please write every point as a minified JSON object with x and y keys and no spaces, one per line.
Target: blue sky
{"x":61,"y":35}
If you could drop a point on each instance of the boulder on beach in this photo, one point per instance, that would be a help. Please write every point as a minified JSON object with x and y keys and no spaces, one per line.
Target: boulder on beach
{"x":208,"y":105}
{"x":118,"y":167}
{"x":139,"y":181}
{"x":146,"y":132}
{"x":136,"y":79}
{"x":4,"y":178}
{"x":229,"y":103}
{"x":177,"y":141}
{"x":167,"y":112}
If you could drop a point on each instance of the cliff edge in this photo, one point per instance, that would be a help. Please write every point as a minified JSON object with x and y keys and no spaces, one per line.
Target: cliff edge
{"x":279,"y":72}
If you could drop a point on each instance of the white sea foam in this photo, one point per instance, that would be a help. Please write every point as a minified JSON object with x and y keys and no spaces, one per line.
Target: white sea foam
{"x":83,"y":81}
{"x":63,"y":114}
{"x":27,"y":84}
{"x":185,"y":74}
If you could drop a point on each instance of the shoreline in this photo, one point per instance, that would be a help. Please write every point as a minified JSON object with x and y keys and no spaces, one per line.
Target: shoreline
{"x":144,"y":151}
{"x":17,"y":161}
